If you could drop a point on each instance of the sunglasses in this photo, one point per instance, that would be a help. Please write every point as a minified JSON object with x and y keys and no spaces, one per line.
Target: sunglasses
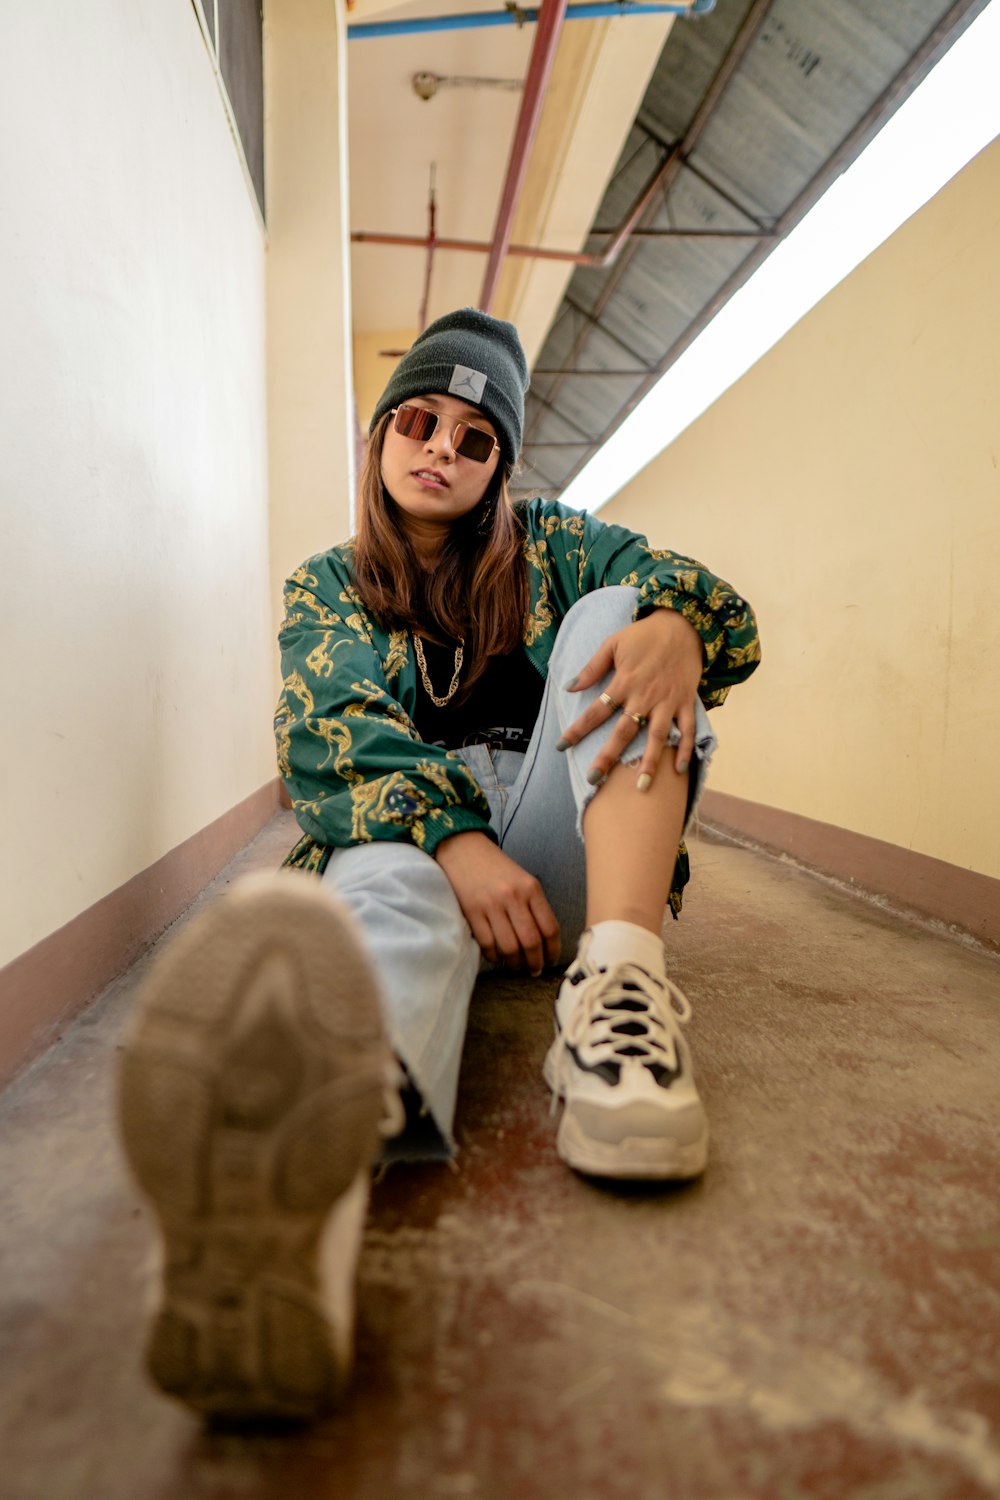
{"x":420,"y":424}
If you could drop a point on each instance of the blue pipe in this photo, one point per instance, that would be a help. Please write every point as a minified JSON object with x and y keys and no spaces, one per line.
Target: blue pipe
{"x":592,"y":10}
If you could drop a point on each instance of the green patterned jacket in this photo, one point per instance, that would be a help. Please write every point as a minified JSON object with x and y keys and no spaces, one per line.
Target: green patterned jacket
{"x":347,"y":749}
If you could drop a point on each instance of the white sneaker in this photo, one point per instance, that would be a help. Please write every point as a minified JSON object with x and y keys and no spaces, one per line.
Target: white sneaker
{"x":623,"y":1068}
{"x":253,"y":1097}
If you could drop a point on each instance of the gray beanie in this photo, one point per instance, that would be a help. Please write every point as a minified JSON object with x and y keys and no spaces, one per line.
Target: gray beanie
{"x":475,"y":357}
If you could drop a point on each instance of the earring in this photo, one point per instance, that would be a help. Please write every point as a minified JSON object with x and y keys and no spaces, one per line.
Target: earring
{"x":486,"y":517}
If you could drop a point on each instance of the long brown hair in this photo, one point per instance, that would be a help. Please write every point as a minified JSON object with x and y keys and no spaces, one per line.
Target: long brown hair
{"x":478,"y":588}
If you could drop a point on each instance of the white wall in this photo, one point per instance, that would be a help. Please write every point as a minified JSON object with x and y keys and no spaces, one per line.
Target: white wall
{"x":135,"y":674}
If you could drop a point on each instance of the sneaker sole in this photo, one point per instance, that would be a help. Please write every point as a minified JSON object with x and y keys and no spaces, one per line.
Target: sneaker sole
{"x":638,"y":1158}
{"x":250,"y":1097}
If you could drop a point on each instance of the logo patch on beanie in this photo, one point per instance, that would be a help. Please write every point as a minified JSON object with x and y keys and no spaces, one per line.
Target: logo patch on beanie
{"x":467,"y":383}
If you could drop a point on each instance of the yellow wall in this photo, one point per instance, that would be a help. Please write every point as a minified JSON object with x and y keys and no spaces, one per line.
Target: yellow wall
{"x":311,"y":420}
{"x":849,"y":485}
{"x":372,"y":368}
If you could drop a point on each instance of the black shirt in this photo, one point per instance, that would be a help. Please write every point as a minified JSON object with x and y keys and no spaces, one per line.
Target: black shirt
{"x":500,"y":712}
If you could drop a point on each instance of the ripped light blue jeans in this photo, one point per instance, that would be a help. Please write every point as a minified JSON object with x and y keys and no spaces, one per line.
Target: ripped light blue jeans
{"x":422,"y":948}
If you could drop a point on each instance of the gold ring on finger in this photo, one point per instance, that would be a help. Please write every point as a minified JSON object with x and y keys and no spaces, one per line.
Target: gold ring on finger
{"x":611,"y":702}
{"x":640,"y":719}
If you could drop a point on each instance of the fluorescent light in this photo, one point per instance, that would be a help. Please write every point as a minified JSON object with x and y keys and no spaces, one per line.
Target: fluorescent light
{"x":945,"y":122}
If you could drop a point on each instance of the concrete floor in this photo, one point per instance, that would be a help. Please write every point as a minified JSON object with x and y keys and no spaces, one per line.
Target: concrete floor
{"x":818,"y":1317}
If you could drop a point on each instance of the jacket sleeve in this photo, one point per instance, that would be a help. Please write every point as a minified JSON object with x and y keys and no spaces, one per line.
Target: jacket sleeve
{"x":603,"y":555}
{"x":347,"y":751}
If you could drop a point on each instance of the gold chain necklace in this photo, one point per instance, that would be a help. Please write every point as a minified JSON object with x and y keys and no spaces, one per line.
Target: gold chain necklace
{"x":418,"y":647}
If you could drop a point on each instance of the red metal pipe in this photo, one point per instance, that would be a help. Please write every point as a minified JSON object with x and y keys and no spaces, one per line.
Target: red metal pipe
{"x":550,"y":19}
{"x":602,"y":260}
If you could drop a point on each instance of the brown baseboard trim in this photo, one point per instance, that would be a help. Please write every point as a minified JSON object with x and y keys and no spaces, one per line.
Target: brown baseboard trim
{"x":43,"y":989}
{"x":916,"y":883}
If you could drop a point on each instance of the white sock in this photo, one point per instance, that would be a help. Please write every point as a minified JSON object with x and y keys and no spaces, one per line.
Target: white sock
{"x":623,"y":942}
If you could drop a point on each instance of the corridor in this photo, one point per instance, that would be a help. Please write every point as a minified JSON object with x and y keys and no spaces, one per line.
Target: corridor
{"x":816,"y":1318}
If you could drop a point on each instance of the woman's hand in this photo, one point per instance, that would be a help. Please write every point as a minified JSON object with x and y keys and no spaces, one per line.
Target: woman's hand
{"x":506,"y":908}
{"x":656,"y":664}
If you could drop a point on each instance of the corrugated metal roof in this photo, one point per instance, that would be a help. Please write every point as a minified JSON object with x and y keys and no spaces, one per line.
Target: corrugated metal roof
{"x":805,"y":89}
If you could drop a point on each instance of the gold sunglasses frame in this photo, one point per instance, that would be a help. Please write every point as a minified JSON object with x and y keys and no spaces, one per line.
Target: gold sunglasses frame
{"x":455,"y":426}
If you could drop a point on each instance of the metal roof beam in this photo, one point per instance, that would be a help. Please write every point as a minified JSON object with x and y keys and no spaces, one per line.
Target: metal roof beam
{"x":955,"y":20}
{"x":659,"y":139}
{"x":593,"y":322}
{"x":752,"y":23}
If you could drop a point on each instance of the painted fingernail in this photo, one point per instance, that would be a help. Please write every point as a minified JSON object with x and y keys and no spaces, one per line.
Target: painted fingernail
{"x":562,"y":744}
{"x":645,"y":782}
{"x":572,"y":684}
{"x":595,"y":776}
{"x":682,"y":768}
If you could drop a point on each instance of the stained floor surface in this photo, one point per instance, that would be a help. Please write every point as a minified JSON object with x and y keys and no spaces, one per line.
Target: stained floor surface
{"x":818,"y":1317}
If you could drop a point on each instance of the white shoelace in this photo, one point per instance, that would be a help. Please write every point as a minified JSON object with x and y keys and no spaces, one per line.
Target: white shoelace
{"x":647,"y":1007}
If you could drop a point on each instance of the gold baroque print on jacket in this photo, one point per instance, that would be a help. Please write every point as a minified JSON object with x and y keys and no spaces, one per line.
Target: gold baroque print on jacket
{"x":540,"y":618}
{"x":581,"y":555}
{"x":569,"y":526}
{"x":441,"y":778}
{"x":283,"y":738}
{"x":285,"y":716}
{"x":687,"y":581}
{"x":337,"y":738}
{"x":309,"y":856}
{"x":392,"y":799}
{"x":397,"y":655}
{"x":743,"y":656}
{"x":724,"y":602}
{"x":295,"y":687}
{"x":702,"y":622}
{"x":357,"y":620}
{"x":320,"y":659}
{"x":662,"y":555}
{"x":304,"y":577}
{"x":372,"y":696}
{"x":320,"y":612}
{"x":311,"y":809}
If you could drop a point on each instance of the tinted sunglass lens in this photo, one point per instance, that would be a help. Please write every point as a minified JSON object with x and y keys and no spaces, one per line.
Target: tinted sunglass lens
{"x":418,"y":423}
{"x":415,"y":422}
{"x":475,"y":444}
